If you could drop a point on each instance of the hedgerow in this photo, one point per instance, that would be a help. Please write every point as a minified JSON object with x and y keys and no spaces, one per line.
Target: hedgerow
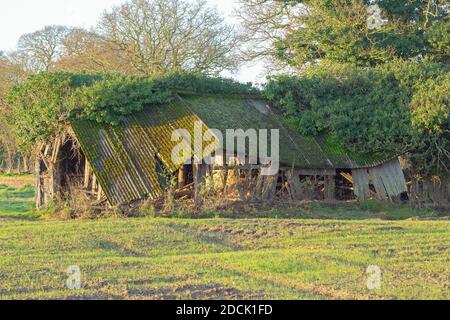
{"x":46,"y":102}
{"x":398,"y":109}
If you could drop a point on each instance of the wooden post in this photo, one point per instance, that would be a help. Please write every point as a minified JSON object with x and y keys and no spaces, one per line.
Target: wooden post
{"x":293,"y":184}
{"x":361,"y":187}
{"x":223,"y":173}
{"x":182,"y":177}
{"x":199,"y":180}
{"x":257,"y":193}
{"x":100,"y":192}
{"x":94,"y":183}
{"x":330,"y":188}
{"x":268,"y":185}
{"x":224,"y":180}
{"x":87,"y":174}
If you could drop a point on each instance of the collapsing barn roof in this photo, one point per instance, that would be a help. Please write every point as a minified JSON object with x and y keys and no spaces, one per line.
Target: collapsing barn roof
{"x":234,"y":112}
{"x":125,"y":158}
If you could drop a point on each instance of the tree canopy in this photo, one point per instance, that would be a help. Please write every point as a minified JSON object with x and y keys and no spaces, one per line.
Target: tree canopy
{"x":306,"y":31}
{"x":397,"y":109}
{"x":373,"y":74}
{"x":132,"y":45}
{"x":41,"y":49}
{"x":159,"y":36}
{"x":142,"y":37}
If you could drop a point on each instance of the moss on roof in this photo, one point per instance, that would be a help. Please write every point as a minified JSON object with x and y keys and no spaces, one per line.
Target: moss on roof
{"x":124,"y":158}
{"x":236,"y":112}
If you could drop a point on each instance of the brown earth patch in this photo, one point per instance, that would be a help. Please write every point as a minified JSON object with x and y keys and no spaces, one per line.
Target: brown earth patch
{"x":16,"y":181}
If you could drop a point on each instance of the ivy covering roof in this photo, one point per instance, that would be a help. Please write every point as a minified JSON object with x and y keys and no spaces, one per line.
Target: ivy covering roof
{"x":124,"y":157}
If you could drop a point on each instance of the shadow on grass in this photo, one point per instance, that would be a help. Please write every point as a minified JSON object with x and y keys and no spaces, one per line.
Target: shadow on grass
{"x":318,"y":210}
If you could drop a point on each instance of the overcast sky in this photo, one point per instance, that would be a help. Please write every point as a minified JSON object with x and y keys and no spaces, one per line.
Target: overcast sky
{"x":18,"y":17}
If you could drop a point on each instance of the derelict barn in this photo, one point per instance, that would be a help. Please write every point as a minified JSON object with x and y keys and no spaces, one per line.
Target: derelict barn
{"x":127,"y":163}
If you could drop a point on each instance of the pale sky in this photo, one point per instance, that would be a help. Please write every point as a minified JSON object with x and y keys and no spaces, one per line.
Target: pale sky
{"x":18,"y":17}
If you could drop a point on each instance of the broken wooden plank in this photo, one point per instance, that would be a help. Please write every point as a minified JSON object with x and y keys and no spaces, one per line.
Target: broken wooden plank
{"x":361,"y":187}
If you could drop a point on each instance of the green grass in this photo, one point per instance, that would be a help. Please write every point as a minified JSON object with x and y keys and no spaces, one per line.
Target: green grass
{"x":256,"y":258}
{"x":13,"y":174}
{"x":16,"y":203}
{"x":341,"y":211}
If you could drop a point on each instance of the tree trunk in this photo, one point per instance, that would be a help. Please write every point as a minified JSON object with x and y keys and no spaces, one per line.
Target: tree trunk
{"x":18,"y":165}
{"x":38,"y":183}
{"x":182,"y":177}
{"x":26,"y":168}
{"x":9,"y":162}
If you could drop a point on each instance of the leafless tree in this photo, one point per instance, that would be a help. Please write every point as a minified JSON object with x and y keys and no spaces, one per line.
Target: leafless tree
{"x":266,"y":23}
{"x":88,"y":51}
{"x":41,"y":49}
{"x":11,"y":73}
{"x":157,"y":36}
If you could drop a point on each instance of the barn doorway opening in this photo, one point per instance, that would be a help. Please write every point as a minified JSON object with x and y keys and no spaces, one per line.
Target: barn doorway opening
{"x":71,"y":167}
{"x":344,"y":185}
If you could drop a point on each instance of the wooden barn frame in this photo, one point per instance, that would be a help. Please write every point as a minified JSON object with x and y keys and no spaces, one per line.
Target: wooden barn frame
{"x":123,"y":164}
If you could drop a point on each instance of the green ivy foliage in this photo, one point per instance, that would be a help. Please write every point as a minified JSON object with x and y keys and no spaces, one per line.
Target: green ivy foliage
{"x":337,"y":31}
{"x":113,"y":98}
{"x":46,"y":102}
{"x":397,"y":108}
{"x":198,"y":83}
{"x":40,"y":105}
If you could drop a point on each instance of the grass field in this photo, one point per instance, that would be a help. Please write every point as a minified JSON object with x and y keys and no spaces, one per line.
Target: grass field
{"x":257,"y":258}
{"x":16,"y":203}
{"x":16,"y":181}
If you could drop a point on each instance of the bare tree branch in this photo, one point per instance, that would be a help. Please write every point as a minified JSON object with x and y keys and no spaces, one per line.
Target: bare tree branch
{"x":157,"y":36}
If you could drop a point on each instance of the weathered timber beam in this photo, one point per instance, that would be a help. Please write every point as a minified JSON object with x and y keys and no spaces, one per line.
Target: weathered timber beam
{"x":330,"y":188}
{"x":87,"y":174}
{"x":312,"y":172}
{"x":237,"y":167}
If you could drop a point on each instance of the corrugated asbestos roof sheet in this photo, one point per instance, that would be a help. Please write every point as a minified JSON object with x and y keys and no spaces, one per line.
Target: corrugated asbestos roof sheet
{"x":124,"y":158}
{"x":233,"y":112}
